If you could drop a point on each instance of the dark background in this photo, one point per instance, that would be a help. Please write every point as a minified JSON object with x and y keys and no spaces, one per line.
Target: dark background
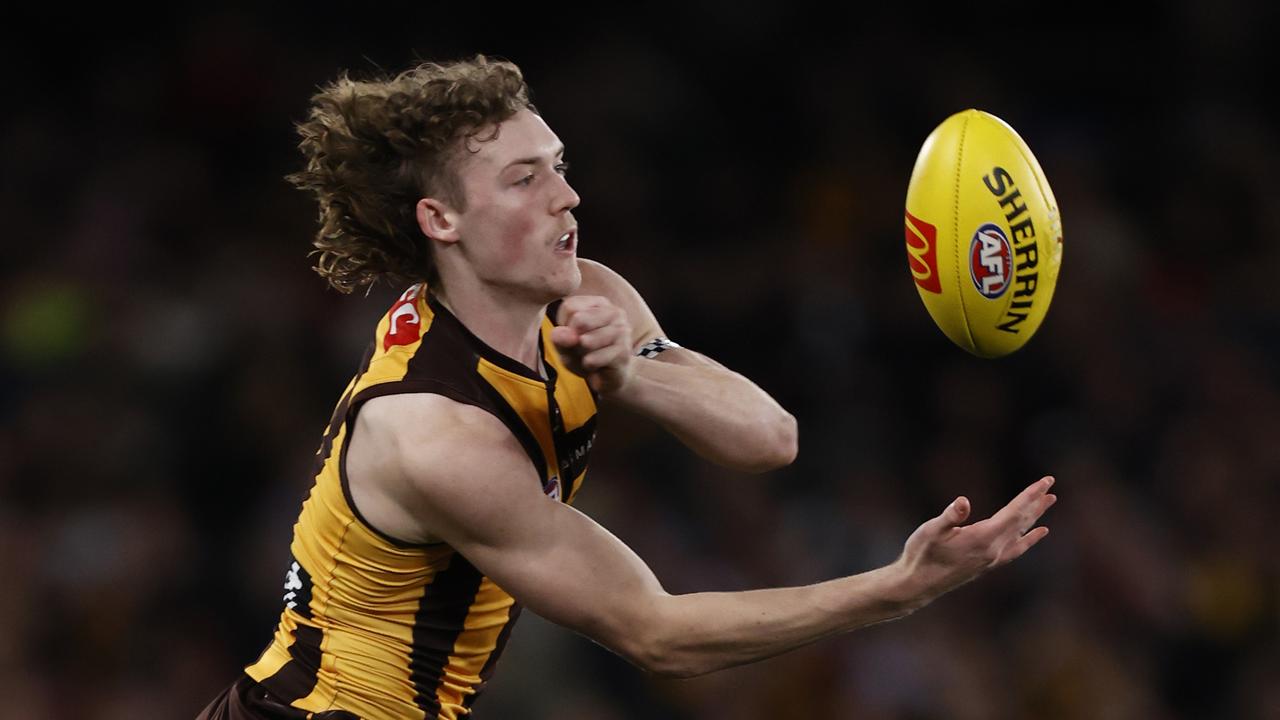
{"x":168,"y":360}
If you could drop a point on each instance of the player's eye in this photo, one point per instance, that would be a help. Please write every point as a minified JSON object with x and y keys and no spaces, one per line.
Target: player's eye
{"x":562,"y":168}
{"x":526,"y":180}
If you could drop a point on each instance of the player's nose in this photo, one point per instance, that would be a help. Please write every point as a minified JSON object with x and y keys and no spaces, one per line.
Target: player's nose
{"x":565,"y":197}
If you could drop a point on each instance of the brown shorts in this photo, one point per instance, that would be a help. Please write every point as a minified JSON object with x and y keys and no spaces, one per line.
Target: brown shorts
{"x":247,"y":700}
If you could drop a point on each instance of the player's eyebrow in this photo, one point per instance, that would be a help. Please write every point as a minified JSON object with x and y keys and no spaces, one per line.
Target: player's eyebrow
{"x":535,"y":160}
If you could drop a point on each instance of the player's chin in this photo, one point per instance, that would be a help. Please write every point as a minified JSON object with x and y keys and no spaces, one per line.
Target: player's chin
{"x":567,"y":278}
{"x":554,"y":285}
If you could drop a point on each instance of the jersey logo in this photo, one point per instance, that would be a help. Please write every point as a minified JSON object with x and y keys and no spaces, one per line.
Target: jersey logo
{"x":573,"y":449}
{"x":552,"y":488}
{"x":406,"y":324}
{"x":292,"y":584}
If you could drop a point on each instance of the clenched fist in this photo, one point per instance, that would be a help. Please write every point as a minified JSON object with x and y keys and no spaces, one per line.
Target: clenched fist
{"x":594,"y":339}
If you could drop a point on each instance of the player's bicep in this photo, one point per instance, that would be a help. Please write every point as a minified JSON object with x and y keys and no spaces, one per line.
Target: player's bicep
{"x":647,"y":336}
{"x":484,"y":498}
{"x":597,"y":279}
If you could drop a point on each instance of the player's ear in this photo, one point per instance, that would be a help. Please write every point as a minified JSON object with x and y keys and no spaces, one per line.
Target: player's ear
{"x":437,"y":220}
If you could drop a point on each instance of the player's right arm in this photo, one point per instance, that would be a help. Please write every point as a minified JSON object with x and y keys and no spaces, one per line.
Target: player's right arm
{"x":469,"y":481}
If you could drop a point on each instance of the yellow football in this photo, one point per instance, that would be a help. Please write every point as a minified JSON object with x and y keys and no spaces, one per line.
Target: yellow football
{"x":984,"y":236}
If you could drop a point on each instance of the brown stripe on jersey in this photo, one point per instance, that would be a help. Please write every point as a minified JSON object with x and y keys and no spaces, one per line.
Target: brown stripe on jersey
{"x":436,"y":627}
{"x":340,"y":414}
{"x":446,"y":350}
{"x":297,"y":678}
{"x":573,"y":447}
{"x":553,"y":310}
{"x":469,"y":345}
{"x":486,"y":672}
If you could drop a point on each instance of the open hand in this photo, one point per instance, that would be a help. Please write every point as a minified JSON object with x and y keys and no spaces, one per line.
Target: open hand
{"x":943,"y":553}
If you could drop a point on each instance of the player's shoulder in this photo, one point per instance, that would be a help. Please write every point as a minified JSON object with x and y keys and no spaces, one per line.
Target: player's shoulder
{"x":600,"y":279}
{"x":435,"y":435}
{"x":456,"y":466}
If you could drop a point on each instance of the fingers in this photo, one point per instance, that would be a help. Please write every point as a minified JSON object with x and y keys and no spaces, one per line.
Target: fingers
{"x":607,"y":341}
{"x":596,"y":322}
{"x":594,"y":340}
{"x":604,"y":357}
{"x":564,"y":337}
{"x":615,"y":333}
{"x":568,"y":306}
{"x":1045,"y":503}
{"x":594,"y":328}
{"x":1024,"y":543}
{"x":593,"y":318}
{"x":1024,"y":510}
{"x":1019,"y":517}
{"x":585,"y":312}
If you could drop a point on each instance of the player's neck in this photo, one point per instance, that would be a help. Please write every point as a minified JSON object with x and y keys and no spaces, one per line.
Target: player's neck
{"x":506,"y":324}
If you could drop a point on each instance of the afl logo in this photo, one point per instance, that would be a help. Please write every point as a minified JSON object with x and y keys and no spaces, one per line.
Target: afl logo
{"x":990,"y":260}
{"x":552,"y":488}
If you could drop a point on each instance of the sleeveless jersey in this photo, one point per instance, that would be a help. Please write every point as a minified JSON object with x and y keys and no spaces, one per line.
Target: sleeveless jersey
{"x":386,"y":629}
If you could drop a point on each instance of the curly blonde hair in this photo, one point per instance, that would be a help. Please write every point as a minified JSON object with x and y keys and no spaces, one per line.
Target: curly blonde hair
{"x":374,"y":148}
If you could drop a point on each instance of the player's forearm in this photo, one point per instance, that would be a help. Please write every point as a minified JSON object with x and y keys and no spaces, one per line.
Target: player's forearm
{"x":705,"y":632}
{"x":716,"y":412}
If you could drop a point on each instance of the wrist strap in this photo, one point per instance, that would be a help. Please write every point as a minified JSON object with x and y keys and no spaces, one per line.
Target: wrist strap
{"x":655,"y":346}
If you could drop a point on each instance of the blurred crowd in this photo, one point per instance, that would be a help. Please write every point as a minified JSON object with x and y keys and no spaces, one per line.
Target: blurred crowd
{"x":168,"y":361}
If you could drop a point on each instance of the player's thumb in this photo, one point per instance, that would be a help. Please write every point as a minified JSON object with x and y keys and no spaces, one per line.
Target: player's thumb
{"x":957,"y":512}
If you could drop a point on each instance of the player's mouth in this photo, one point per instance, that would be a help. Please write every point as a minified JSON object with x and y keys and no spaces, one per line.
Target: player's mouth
{"x":568,"y":242}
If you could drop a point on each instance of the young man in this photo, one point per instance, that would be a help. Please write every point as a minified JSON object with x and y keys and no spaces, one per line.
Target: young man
{"x":444,"y":481}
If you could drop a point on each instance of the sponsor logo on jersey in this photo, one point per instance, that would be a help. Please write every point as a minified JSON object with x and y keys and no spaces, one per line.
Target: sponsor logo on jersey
{"x":552,"y":488}
{"x":990,"y":260}
{"x":406,"y":324}
{"x":292,"y":584}
{"x":922,"y":254}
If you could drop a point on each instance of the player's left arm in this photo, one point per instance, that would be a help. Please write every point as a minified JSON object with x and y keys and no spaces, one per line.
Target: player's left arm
{"x":716,"y":412}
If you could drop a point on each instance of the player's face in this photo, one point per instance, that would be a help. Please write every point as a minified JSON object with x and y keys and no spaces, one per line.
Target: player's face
{"x":518,"y":230}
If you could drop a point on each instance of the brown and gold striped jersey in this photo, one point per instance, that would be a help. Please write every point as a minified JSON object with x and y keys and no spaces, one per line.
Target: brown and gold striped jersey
{"x":385,"y":629}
